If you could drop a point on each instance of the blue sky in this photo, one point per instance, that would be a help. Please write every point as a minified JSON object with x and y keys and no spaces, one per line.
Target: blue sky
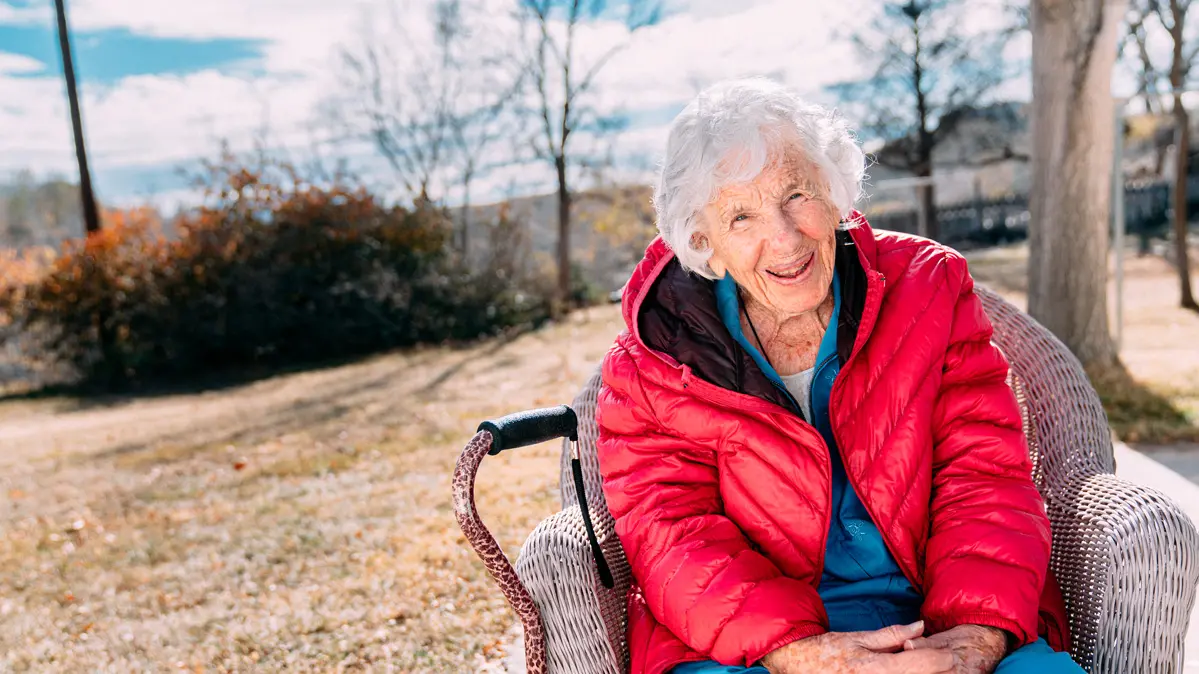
{"x":165,"y":83}
{"x":110,"y":55}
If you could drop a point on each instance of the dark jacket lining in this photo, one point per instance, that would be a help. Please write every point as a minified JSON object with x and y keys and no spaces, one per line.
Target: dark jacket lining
{"x":679,"y":318}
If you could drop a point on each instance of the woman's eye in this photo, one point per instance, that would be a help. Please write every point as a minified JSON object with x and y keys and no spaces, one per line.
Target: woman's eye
{"x":798,"y":195}
{"x":740,"y":218}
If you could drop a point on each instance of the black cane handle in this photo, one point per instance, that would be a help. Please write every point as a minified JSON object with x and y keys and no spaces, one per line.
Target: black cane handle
{"x":531,"y":427}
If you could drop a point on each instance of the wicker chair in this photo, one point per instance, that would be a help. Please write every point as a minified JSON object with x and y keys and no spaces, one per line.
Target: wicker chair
{"x":1126,"y":557}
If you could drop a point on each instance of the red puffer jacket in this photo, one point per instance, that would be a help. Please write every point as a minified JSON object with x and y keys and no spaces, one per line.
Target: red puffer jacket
{"x":721,"y":494}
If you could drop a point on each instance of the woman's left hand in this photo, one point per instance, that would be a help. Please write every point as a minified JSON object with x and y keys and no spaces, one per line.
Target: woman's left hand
{"x":977,"y":649}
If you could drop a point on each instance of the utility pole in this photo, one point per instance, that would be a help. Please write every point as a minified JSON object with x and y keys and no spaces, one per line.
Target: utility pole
{"x":91,"y":215}
{"x":112,"y":374}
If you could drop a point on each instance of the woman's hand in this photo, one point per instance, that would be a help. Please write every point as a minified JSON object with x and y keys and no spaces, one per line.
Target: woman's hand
{"x":976,"y":649}
{"x":861,"y":652}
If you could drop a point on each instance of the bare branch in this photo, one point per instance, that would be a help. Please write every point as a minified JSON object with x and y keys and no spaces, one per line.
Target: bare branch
{"x":599,"y":64}
{"x":1190,"y":55}
{"x":924,"y":69}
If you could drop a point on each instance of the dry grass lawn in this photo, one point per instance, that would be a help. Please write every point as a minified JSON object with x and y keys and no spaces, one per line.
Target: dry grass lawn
{"x":303,"y":523}
{"x":1157,"y":403}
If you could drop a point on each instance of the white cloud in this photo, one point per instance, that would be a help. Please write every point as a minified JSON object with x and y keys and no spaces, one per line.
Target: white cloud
{"x":17,"y":64}
{"x":157,"y":120}
{"x":24,"y":15}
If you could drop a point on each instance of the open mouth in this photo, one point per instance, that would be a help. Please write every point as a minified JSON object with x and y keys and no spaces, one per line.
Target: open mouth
{"x":794,"y":270}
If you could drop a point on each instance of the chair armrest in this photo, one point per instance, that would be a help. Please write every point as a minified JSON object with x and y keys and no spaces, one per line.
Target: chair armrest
{"x":584,"y":622}
{"x":1127,"y":560}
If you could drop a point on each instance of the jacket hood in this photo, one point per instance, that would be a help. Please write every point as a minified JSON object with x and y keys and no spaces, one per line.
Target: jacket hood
{"x":674,"y":314}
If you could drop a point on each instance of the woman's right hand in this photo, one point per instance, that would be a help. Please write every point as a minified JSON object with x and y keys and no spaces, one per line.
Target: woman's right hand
{"x":877,"y":652}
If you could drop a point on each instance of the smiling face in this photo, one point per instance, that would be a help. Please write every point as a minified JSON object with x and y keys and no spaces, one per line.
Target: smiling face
{"x":776,"y":235}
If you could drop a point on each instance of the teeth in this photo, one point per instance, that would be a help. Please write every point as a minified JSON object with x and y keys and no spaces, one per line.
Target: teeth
{"x":797,"y":272}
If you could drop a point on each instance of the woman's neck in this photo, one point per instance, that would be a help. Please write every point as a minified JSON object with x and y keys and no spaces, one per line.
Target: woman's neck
{"x":792,"y":342}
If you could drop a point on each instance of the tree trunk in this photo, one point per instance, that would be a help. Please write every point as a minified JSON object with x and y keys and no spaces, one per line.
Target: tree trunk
{"x":1074,"y":51}
{"x":562,"y":301}
{"x":927,"y":220}
{"x":464,"y":236}
{"x":1182,"y":134}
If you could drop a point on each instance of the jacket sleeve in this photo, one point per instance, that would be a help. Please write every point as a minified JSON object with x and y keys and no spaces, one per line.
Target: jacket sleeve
{"x":699,"y":575}
{"x":989,"y":543}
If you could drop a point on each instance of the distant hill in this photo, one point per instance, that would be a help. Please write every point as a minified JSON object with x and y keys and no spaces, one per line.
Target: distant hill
{"x":609,"y":232}
{"x":36,"y":213}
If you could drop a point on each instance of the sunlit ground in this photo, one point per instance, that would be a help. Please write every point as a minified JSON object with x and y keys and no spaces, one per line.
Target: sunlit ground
{"x":303,"y":523}
{"x":297,"y":524}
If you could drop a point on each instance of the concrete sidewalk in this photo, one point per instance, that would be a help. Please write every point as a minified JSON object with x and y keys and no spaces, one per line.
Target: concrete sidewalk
{"x":1142,"y":470}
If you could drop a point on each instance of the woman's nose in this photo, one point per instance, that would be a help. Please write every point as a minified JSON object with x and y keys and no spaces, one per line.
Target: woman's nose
{"x":784,"y":232}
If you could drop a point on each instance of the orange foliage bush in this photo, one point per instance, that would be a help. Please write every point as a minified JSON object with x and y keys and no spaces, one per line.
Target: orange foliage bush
{"x":273,"y":271}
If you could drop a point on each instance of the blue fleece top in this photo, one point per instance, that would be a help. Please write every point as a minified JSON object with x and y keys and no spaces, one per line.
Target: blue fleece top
{"x":861,"y":585}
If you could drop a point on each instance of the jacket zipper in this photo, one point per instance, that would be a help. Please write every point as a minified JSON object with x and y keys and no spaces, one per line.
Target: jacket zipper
{"x":716,"y":394}
{"x":872,"y":292}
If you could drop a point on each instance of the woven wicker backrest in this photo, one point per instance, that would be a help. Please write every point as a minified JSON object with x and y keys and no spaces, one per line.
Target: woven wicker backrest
{"x":1064,"y":422}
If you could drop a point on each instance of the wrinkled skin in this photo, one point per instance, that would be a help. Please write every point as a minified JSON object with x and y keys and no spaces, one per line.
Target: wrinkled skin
{"x":772,"y":224}
{"x":976,"y":649}
{"x":899,"y":649}
{"x":878,"y":652}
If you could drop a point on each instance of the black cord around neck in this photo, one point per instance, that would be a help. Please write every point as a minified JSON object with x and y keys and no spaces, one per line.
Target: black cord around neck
{"x":761,"y":344}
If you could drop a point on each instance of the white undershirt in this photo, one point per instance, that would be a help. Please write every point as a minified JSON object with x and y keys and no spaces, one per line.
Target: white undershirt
{"x":800,"y":385}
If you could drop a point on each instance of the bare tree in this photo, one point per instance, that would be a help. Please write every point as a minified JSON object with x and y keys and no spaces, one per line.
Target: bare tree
{"x":1135,"y":48}
{"x":1171,"y":17}
{"x":431,"y":111}
{"x":926,"y":69}
{"x":480,"y":115}
{"x":563,"y":83}
{"x":400,"y":104}
{"x":1074,"y":51}
{"x":1173,"y":14}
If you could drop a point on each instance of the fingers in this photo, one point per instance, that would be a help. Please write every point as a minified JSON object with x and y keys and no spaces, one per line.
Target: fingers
{"x":935,"y":641}
{"x":890,"y":639}
{"x":923,"y":661}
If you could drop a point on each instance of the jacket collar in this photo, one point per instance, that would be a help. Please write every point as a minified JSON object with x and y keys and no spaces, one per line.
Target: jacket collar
{"x":728,"y":303}
{"x":675,"y":315}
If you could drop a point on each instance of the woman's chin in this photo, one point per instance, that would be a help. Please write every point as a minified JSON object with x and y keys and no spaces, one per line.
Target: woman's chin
{"x":798,"y":297}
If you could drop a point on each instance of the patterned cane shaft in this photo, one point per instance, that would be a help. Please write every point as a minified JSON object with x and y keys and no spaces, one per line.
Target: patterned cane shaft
{"x":493,"y":557}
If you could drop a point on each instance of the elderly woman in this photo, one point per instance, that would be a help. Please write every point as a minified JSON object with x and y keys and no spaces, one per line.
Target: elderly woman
{"x":806,"y":437}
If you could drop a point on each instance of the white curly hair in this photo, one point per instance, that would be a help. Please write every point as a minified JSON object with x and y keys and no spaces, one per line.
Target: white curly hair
{"x":727,"y":136}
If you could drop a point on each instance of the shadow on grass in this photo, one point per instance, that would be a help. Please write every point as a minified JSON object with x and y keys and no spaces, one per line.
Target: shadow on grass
{"x":453,"y":370}
{"x":318,"y":408}
{"x":86,"y":396}
{"x":1139,"y":413}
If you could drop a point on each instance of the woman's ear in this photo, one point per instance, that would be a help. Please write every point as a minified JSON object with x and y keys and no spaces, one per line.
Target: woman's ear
{"x":718,"y":268}
{"x":699,"y":241}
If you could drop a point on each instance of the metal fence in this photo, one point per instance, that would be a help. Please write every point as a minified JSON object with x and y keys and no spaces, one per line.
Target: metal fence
{"x":988,"y":222}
